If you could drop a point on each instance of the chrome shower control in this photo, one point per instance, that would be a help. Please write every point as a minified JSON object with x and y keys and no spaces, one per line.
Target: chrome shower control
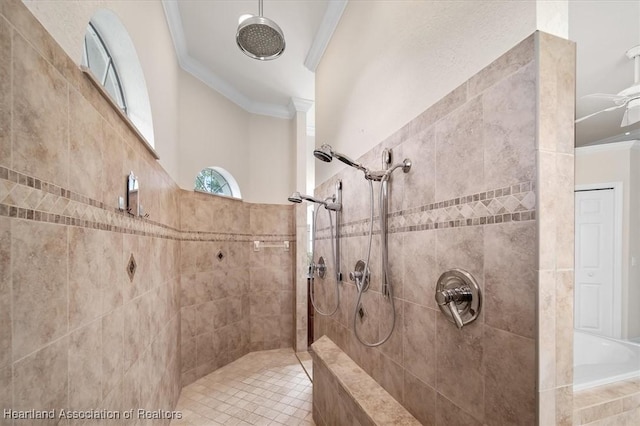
{"x":360,"y":276}
{"x":321,"y":267}
{"x":458,"y":296}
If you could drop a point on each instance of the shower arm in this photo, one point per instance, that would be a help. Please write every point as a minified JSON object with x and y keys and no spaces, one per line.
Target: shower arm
{"x":383,"y":175}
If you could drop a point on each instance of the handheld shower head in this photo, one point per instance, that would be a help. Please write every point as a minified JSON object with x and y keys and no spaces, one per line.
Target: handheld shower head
{"x":295,"y":198}
{"x":324,"y":153}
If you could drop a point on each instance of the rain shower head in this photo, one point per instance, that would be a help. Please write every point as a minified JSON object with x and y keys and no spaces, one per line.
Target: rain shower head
{"x":260,"y":38}
{"x":326,"y":154}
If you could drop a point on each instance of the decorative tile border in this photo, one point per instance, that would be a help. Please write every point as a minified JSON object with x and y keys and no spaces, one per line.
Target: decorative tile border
{"x":26,"y":197}
{"x":509,"y":204}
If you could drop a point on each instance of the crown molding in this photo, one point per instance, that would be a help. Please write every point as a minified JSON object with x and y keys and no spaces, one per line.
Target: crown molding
{"x":300,"y":105}
{"x":204,"y":74}
{"x":608,"y":147}
{"x":332,"y":16}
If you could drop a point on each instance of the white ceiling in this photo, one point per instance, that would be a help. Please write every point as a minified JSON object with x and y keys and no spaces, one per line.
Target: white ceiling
{"x":204,"y":37}
{"x":603,"y":31}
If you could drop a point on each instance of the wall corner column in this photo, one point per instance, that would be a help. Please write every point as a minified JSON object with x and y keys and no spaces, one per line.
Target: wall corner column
{"x":556,"y":60}
{"x":304,"y":168}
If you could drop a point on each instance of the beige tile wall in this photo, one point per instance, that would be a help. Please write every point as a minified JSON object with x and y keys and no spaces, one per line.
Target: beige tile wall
{"x":75,"y":331}
{"x":470,"y":202}
{"x":300,"y":279}
{"x":344,"y":394}
{"x":243,"y":302}
{"x":555,"y":156}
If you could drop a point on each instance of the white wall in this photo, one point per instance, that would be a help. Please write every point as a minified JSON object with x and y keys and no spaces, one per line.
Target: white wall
{"x":255,"y":149}
{"x":213,"y":132}
{"x":618,"y":162}
{"x":633,"y":313}
{"x":389,"y":61}
{"x":272,"y":161}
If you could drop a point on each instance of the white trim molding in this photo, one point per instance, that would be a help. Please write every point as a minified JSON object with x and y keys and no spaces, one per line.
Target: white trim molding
{"x":325,"y":32}
{"x":211,"y":79}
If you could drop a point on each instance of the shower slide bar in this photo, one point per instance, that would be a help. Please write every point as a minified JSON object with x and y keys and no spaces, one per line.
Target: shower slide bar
{"x":258,"y":245}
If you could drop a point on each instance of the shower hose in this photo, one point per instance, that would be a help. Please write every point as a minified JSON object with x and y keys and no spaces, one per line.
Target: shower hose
{"x":385,"y":270}
{"x":335,"y":261}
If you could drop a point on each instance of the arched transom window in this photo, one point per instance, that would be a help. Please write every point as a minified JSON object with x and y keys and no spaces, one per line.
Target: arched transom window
{"x":216,"y":180}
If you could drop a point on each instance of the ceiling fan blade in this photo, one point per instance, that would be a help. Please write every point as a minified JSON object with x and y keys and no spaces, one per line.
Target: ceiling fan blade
{"x":631,"y":116}
{"x":617,"y":99}
{"x":602,"y":110}
{"x":625,"y":119}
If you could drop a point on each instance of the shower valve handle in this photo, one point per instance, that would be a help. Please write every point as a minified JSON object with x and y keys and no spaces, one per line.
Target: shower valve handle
{"x":360,"y":275}
{"x":355,"y":275}
{"x":451,"y":297}
{"x":458,"y":296}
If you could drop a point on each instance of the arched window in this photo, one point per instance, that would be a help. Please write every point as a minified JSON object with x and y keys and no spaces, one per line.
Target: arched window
{"x":110,"y":54}
{"x":97,"y":58}
{"x":216,"y":180}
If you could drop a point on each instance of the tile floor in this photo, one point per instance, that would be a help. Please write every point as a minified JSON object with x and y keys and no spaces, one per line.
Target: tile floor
{"x":261,"y":388}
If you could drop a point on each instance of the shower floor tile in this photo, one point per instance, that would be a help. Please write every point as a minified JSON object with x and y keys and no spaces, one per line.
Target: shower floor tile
{"x":261,"y":388}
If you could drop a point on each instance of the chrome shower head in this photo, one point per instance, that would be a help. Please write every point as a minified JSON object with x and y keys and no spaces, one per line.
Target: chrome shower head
{"x":329,"y":203}
{"x":260,"y":38}
{"x":295,"y":198}
{"x":324,"y":153}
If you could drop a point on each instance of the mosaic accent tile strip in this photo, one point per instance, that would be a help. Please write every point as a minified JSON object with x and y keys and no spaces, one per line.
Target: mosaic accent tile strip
{"x":509,"y":204}
{"x":25,"y":197}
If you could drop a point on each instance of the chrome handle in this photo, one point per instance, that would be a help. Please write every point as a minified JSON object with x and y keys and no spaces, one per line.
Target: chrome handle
{"x":355,"y":275}
{"x":360,"y":275}
{"x":456,"y":315}
{"x":451,"y":298}
{"x":458,"y":296}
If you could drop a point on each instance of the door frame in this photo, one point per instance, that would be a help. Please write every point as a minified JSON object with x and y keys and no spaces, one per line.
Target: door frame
{"x":618,"y":203}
